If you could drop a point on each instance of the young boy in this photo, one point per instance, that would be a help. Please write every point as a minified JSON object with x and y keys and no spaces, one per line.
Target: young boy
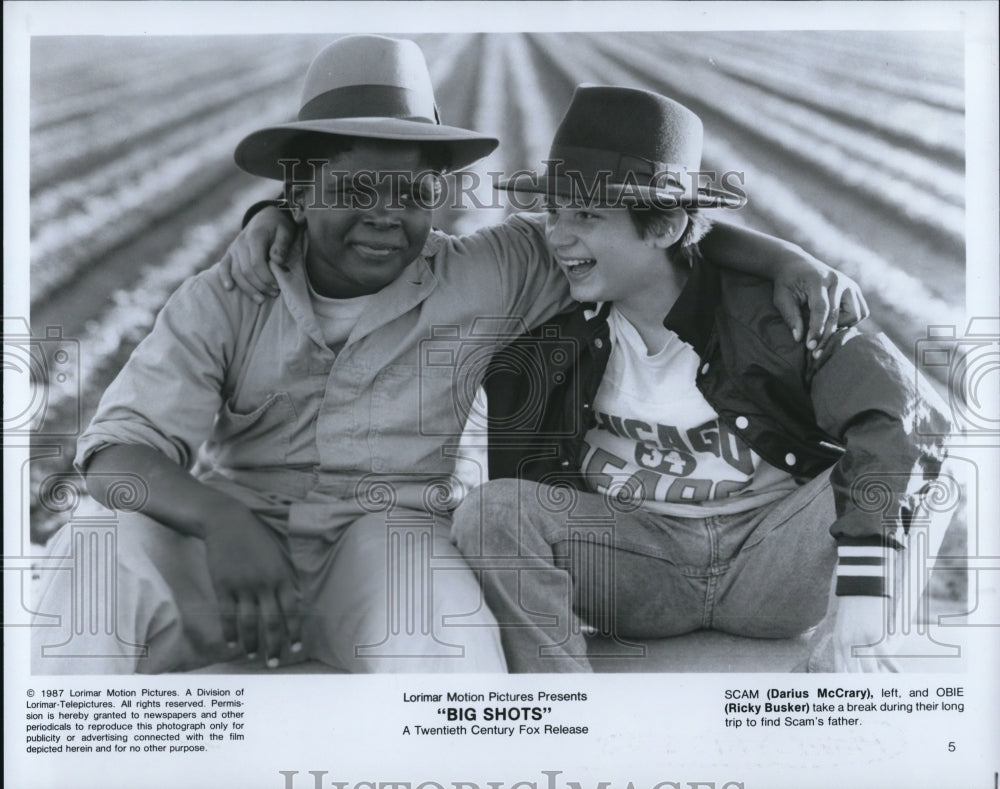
{"x":294,"y":451}
{"x":723,"y":472}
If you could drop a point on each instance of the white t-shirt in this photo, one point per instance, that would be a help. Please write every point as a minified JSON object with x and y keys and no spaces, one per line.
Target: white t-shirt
{"x":657,"y":435}
{"x":336,"y":317}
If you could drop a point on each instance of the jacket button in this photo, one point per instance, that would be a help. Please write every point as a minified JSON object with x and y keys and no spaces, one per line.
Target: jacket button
{"x":564,"y":464}
{"x":790,"y":459}
{"x":742,"y":422}
{"x":705,"y":368}
{"x":586,"y":406}
{"x":598,"y":343}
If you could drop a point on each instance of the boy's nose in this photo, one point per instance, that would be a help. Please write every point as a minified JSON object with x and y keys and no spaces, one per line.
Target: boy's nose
{"x":556,"y":231}
{"x":382,"y":214}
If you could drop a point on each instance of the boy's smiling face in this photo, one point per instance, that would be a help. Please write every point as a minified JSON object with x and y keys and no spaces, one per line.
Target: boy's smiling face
{"x":602,"y":254}
{"x":367,"y":227}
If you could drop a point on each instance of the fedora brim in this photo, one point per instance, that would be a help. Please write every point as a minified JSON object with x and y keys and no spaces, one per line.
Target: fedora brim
{"x":260,"y":151}
{"x":617,"y":194}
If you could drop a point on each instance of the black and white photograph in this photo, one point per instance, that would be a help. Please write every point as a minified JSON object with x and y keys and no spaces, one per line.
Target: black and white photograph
{"x":371,"y":367}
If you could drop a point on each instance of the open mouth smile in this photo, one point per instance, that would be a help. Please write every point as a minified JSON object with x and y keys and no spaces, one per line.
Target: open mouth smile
{"x":577,"y":267}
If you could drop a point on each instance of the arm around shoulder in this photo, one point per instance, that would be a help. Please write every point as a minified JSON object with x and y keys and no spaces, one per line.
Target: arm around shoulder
{"x":801,"y":282}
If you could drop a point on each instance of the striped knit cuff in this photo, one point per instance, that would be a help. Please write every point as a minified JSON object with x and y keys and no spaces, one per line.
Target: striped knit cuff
{"x":861,"y":570}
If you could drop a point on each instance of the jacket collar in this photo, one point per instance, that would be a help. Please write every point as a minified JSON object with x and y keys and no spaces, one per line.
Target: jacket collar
{"x":693,"y":314}
{"x":595,"y":314}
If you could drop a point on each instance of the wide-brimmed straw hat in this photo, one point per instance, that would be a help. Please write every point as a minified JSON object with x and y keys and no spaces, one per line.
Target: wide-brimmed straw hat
{"x":623,"y":146}
{"x":364,"y":86}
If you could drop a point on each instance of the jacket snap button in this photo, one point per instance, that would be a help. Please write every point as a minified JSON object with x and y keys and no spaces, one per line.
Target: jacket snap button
{"x":790,"y":459}
{"x":742,"y":422}
{"x":565,"y":464}
{"x":598,"y":343}
{"x":705,"y":368}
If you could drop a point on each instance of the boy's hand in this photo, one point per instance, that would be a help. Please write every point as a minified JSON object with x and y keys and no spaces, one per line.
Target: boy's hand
{"x":833,"y":300}
{"x":861,"y":621}
{"x":255,"y":586}
{"x":266,"y":238}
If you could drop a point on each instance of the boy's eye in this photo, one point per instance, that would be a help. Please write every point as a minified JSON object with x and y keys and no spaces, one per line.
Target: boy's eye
{"x":426,"y":190}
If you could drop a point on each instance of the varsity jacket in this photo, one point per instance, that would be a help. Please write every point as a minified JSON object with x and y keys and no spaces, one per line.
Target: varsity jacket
{"x":859,"y":408}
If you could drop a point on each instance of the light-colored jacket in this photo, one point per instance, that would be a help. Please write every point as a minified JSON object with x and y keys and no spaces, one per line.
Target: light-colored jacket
{"x":253,"y":394}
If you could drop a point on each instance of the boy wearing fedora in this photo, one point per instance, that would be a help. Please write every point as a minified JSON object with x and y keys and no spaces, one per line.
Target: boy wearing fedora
{"x":293,"y":452}
{"x":692,"y":466}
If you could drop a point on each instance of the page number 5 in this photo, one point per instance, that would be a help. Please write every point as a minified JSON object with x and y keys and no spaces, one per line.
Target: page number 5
{"x":951,"y":746}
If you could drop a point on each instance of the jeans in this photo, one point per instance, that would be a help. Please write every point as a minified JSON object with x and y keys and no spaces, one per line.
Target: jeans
{"x":555,"y":562}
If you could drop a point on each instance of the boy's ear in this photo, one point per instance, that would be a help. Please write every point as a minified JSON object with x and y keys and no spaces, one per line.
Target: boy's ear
{"x":297,"y":203}
{"x":676,"y":224}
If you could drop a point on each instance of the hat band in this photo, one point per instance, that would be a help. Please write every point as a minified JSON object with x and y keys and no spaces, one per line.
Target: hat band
{"x":617,"y":168}
{"x":369,"y":101}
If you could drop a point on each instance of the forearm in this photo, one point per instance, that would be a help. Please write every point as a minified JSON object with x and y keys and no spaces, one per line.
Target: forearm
{"x":171,"y":495}
{"x":749,"y":251}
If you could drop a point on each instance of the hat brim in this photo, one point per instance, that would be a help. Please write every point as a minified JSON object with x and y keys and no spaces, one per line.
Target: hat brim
{"x":260,"y":151}
{"x":617,"y":194}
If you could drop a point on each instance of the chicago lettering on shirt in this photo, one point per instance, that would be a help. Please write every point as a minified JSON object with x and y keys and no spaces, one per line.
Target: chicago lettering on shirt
{"x":664,"y":450}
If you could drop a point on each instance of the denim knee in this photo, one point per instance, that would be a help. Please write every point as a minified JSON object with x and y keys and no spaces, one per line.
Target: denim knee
{"x":486,"y":522}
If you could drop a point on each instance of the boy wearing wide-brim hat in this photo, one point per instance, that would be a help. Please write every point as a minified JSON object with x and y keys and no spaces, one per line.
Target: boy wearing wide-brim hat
{"x":723,"y":474}
{"x":295,"y":485}
{"x":296,"y":453}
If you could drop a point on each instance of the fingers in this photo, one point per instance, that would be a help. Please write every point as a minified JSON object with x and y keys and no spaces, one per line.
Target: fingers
{"x":819,"y":315}
{"x":272,"y":628}
{"x":788,"y":307}
{"x":227,"y":614}
{"x":862,"y":304}
{"x":283,"y":237}
{"x":832,"y":318}
{"x":254,"y":270}
{"x":263,"y":622}
{"x":239,"y":277}
{"x":247,"y":624}
{"x":846,"y":307}
{"x":288,"y":600}
{"x":853,"y":307}
{"x":280,"y":623}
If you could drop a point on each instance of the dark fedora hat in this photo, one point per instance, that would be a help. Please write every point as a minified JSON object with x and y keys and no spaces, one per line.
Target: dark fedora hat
{"x":364,"y":86}
{"x":621,"y":146}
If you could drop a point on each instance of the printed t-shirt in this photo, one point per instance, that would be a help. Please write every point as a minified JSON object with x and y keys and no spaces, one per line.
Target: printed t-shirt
{"x":657,"y":437}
